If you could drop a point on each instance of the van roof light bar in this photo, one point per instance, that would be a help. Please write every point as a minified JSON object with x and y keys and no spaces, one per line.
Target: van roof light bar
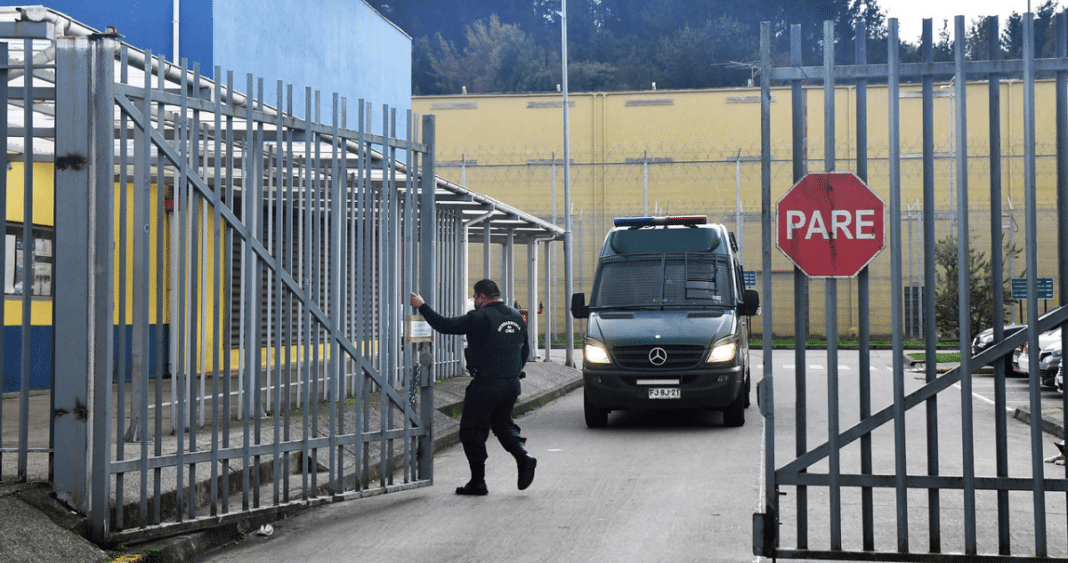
{"x":636,"y":222}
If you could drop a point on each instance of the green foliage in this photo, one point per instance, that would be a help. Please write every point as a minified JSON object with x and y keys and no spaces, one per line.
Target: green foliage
{"x":514,"y":45}
{"x":498,"y":58}
{"x":980,"y":284}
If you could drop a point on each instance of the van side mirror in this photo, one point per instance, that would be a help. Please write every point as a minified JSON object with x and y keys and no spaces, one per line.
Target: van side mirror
{"x":579,"y":310}
{"x":750,"y":303}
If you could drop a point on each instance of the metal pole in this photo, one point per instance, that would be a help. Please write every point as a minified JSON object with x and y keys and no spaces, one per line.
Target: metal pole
{"x":894,"y":140}
{"x":1062,"y":181}
{"x":427,"y":283}
{"x":864,"y":301}
{"x":569,"y":279}
{"x":83,"y":316}
{"x":645,"y":184}
{"x":801,"y":286}
{"x":738,"y":224}
{"x":929,"y":275}
{"x":997,"y":274}
{"x":766,"y":394}
{"x":1037,"y":466}
{"x":964,"y":297}
{"x":831,"y":302}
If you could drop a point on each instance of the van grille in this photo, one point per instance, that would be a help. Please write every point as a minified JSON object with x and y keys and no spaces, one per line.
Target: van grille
{"x":678,"y":357}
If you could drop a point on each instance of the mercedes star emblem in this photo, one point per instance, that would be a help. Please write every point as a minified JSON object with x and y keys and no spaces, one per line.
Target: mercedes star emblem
{"x":657,"y":356}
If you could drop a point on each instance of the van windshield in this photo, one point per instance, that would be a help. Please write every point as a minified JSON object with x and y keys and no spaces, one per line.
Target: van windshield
{"x":640,"y":281}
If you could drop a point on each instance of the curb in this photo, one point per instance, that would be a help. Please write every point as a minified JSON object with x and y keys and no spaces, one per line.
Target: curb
{"x":1055,"y":429}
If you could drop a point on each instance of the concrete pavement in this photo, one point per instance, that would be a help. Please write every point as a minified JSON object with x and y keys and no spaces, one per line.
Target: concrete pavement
{"x":34,"y":527}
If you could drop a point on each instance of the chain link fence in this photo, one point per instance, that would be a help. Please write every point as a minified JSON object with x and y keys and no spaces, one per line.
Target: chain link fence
{"x":724,"y":184}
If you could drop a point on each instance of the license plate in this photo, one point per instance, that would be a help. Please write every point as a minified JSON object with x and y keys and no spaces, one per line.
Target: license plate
{"x":665,"y":393}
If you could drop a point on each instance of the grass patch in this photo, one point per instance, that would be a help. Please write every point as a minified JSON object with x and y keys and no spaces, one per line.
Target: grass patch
{"x":948,"y":357}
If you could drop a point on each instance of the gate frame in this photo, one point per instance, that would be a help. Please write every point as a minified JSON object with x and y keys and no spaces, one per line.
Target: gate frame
{"x":85,"y":468}
{"x":765,"y":524}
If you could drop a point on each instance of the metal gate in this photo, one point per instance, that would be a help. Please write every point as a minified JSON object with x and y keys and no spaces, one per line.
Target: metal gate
{"x":275,"y":247}
{"x":830,"y":500}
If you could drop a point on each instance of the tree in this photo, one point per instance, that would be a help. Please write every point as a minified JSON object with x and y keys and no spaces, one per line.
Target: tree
{"x":698,"y":57}
{"x":980,"y":288}
{"x":498,"y":58}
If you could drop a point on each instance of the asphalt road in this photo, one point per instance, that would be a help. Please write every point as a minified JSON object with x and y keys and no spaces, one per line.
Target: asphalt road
{"x":675,"y":486}
{"x":650,"y":487}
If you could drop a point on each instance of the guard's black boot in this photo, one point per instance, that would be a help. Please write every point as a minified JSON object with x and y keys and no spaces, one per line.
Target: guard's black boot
{"x":526,"y":465}
{"x":477,"y":485}
{"x":473,"y":488}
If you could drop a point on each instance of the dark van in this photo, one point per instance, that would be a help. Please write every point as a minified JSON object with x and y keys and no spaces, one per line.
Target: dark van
{"x":668,"y":320}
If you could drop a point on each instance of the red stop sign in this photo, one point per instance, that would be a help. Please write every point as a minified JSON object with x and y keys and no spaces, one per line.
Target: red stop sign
{"x":830,"y":224}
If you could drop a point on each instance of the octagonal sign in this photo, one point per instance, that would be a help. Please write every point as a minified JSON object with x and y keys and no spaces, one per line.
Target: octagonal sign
{"x":830,"y":224}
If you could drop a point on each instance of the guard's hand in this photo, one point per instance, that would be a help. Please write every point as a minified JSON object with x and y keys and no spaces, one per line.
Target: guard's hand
{"x":415,"y":300}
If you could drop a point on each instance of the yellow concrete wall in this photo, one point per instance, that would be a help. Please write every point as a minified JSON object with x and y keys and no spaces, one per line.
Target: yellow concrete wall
{"x":704,"y":148}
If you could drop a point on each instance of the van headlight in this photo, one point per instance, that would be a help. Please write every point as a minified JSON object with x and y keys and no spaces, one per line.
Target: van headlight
{"x":595,"y":353}
{"x":724,"y":350}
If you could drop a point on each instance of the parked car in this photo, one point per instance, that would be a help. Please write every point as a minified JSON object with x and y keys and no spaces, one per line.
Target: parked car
{"x":1023,"y":357}
{"x":1058,"y":381}
{"x":1049,"y":361}
{"x":985,"y":339}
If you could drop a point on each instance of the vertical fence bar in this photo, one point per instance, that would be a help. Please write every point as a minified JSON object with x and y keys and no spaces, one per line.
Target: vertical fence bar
{"x":102,"y":211}
{"x":334,"y":285}
{"x":27,"y":260}
{"x":893,"y":144}
{"x":997,"y":274}
{"x":831,"y":302}
{"x":864,"y":300}
{"x":769,"y":541}
{"x":124,"y":369}
{"x":1062,"y":190}
{"x":930,"y":280}
{"x":408,"y":282}
{"x":427,"y":282}
{"x":1037,"y":469}
{"x":964,"y":280}
{"x":4,"y":163}
{"x":217,"y":266}
{"x":800,"y":292}
{"x":160,"y":241}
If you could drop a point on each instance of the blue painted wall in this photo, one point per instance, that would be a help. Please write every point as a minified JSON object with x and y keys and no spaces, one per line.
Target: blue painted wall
{"x":148,"y":25}
{"x":341,"y":46}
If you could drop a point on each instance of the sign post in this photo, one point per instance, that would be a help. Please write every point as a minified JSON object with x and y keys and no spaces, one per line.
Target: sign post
{"x":1019,"y":290}
{"x":830,"y":225}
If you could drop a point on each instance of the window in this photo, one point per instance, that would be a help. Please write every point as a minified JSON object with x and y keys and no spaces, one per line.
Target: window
{"x":41,"y":255}
{"x":652,"y":280}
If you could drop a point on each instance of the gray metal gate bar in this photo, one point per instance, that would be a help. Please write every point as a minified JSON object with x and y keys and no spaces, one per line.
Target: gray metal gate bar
{"x":1039,"y":496}
{"x":831,"y":299}
{"x":765,"y":536}
{"x":1062,"y":182}
{"x":996,"y":257}
{"x":864,"y":299}
{"x":964,"y":280}
{"x":800,"y":133}
{"x":930,"y":331}
{"x":894,"y":152}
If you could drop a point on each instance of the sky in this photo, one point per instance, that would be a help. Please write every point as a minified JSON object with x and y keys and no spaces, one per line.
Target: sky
{"x":911,"y":13}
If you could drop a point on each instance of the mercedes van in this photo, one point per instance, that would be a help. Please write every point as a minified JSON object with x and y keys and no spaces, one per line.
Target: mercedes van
{"x":668,"y":321}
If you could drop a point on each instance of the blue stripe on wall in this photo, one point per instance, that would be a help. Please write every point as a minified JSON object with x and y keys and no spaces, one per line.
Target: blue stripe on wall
{"x":41,"y":355}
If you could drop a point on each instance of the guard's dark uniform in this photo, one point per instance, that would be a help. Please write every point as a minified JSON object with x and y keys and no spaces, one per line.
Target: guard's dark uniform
{"x":497,"y":351}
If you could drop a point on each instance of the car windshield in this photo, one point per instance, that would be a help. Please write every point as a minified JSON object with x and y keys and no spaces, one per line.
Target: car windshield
{"x":647,"y":281}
